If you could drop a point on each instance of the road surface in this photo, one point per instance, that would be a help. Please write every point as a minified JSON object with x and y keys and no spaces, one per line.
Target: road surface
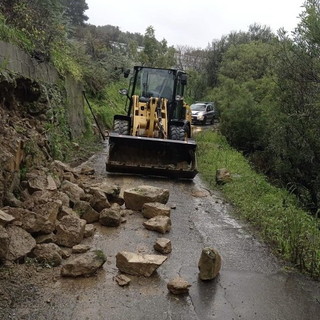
{"x":252,"y":283}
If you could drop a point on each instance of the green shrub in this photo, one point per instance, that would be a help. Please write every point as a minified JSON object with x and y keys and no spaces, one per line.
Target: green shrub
{"x":273,"y":211}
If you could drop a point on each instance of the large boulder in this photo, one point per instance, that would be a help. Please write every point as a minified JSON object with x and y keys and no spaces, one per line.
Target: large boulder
{"x":136,"y":197}
{"x":29,"y":220}
{"x":21,"y":243}
{"x":86,"y":212}
{"x":160,"y":224}
{"x":4,"y":243}
{"x":84,"y":265}
{"x":48,"y":253}
{"x":137,"y":264}
{"x":153,"y":209}
{"x":70,"y":231}
{"x":209,"y":264}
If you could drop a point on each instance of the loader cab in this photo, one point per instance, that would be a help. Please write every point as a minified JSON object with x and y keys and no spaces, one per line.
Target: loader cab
{"x":153,"y":82}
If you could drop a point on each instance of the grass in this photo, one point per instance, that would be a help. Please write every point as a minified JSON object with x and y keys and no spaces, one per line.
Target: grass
{"x":274,"y":212}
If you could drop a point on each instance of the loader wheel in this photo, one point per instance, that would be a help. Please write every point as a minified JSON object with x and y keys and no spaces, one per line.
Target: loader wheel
{"x":121,"y":127}
{"x":178,"y":133}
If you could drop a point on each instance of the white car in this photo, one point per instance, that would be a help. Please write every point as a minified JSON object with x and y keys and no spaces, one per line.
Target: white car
{"x":203,"y":113}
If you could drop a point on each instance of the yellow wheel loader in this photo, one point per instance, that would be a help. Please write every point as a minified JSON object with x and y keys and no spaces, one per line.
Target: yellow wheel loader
{"x":154,"y":137}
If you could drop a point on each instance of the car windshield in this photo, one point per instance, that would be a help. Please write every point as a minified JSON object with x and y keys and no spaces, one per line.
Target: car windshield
{"x":198,"y":107}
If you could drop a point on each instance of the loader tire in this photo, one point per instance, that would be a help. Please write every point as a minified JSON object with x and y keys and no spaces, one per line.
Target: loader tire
{"x":178,"y":133}
{"x":121,"y":127}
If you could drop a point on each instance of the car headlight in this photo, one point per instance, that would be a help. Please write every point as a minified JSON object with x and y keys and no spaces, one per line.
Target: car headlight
{"x":200,"y":116}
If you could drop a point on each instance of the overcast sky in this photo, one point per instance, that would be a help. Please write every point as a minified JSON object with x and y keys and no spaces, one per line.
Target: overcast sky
{"x":195,"y":22}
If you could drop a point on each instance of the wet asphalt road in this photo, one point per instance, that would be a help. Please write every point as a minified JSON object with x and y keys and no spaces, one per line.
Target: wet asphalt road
{"x":252,"y":284}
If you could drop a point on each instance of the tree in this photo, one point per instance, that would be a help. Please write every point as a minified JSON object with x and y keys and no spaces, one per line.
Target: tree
{"x":294,"y":139}
{"x":75,"y":11}
{"x":155,"y":53}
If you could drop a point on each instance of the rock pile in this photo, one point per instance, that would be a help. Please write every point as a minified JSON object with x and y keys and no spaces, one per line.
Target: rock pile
{"x":55,"y":210}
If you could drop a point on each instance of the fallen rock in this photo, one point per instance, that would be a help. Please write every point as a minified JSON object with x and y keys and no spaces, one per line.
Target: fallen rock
{"x":89,"y":230}
{"x":223,"y":176}
{"x":86,"y":170}
{"x":48,"y":253}
{"x":84,"y":265}
{"x":163,"y":245}
{"x":99,"y":200}
{"x":137,"y":264}
{"x":69,"y":176}
{"x":29,"y":220}
{"x":178,"y":285}
{"x":66,"y":253}
{"x":80,"y":248}
{"x":74,"y":192}
{"x":46,"y":238}
{"x":4,"y":243}
{"x":209,"y":264}
{"x":61,"y":166}
{"x":38,"y":180}
{"x":21,"y":243}
{"x":160,"y":224}
{"x":66,"y":211}
{"x":70,"y":231}
{"x":52,"y":196}
{"x":5,"y":218}
{"x":135,"y":198}
{"x":153,"y":209}
{"x":122,"y":280}
{"x":110,"y":217}
{"x":49,"y":210}
{"x":86,"y":212}
{"x":112,"y":192}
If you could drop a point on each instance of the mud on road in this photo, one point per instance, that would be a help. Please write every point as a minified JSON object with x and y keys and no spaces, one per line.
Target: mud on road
{"x":252,"y":283}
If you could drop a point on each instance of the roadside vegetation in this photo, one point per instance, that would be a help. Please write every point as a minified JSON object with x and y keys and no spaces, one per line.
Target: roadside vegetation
{"x":274,"y":212}
{"x":265,"y":85}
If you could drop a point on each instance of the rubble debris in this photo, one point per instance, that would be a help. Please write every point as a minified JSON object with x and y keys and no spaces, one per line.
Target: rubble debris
{"x":80,"y":248}
{"x":85,"y":264}
{"x":178,"y":286}
{"x":70,"y":231}
{"x":110,"y":217}
{"x":74,"y":192}
{"x":122,"y":280}
{"x":160,"y":224}
{"x":49,"y":253}
{"x":163,"y":245}
{"x":153,"y":209}
{"x":86,"y":212}
{"x":5,"y":218}
{"x":20,"y":243}
{"x":89,"y":230}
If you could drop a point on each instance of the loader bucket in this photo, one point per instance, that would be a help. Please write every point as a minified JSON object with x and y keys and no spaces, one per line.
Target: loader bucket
{"x":151,"y":156}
